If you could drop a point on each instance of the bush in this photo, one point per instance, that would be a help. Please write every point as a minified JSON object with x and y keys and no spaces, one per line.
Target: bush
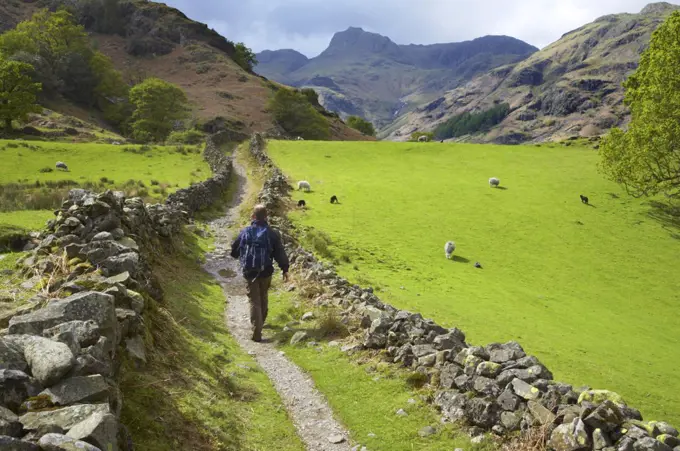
{"x":187,"y":137}
{"x":244,"y":57}
{"x":297,"y":116}
{"x":46,"y":170}
{"x":470,"y":123}
{"x":416,"y":136}
{"x":361,"y":124}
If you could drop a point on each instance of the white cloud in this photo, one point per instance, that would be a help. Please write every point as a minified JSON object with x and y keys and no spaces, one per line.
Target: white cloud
{"x":308,"y":25}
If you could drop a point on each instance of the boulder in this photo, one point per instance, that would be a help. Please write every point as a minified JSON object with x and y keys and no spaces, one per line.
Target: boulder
{"x":650,"y":444}
{"x":542,"y":415}
{"x":48,"y":360}
{"x":669,"y":440}
{"x":471,"y":363}
{"x":78,"y":390}
{"x":600,"y":396}
{"x":9,"y":423}
{"x":486,"y":386}
{"x":607,"y":416}
{"x":65,"y":418}
{"x":14,"y":444}
{"x":488,"y":369}
{"x":86,"y":333}
{"x":12,"y":356}
{"x":570,"y":437}
{"x":298,"y":337}
{"x":600,"y":440}
{"x":482,"y":412}
{"x":58,"y":442}
{"x":89,"y":305}
{"x":100,"y":429}
{"x":508,"y":400}
{"x":452,"y":404}
{"x":665,"y":428}
{"x":511,"y":421}
{"x":448,"y":375}
{"x":524,"y":390}
{"x":502,"y":353}
{"x":128,"y":262}
{"x":15,"y":388}
{"x":136,"y":349}
{"x":449,"y":341}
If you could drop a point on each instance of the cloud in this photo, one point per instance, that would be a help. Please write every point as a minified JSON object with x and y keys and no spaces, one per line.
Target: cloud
{"x":308,"y":25}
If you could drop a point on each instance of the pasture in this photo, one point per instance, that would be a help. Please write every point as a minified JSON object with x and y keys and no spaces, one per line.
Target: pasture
{"x":592,"y":290}
{"x":31,"y":186}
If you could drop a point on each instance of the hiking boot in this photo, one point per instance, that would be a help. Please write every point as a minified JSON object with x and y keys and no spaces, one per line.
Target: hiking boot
{"x":257,"y":338}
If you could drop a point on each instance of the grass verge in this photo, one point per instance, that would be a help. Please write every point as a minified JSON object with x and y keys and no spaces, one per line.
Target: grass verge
{"x":199,"y":391}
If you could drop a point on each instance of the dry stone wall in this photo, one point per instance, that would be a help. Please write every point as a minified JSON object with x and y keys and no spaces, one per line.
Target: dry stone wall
{"x":496,"y":388}
{"x":59,"y":363}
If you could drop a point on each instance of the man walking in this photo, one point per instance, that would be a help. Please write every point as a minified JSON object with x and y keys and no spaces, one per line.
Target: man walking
{"x":256,"y":247}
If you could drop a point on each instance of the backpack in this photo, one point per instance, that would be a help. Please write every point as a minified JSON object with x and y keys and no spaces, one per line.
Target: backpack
{"x":255,"y":249}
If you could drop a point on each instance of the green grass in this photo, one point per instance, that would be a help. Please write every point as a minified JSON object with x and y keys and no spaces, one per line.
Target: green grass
{"x":366,"y":394}
{"x":591,"y":290}
{"x":199,"y":391}
{"x":24,"y":220}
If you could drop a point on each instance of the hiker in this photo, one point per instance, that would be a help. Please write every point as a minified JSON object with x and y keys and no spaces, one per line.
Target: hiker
{"x":255,"y":248}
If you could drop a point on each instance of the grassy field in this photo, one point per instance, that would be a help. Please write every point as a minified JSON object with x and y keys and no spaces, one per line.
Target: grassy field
{"x":591,"y":290}
{"x":199,"y":391}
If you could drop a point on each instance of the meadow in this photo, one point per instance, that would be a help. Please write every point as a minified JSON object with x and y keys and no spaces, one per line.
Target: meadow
{"x":589,"y":289}
{"x":31,"y":187}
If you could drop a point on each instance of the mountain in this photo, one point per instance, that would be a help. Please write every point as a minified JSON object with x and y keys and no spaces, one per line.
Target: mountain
{"x":146,"y":38}
{"x":570,"y":88}
{"x":368,"y":74}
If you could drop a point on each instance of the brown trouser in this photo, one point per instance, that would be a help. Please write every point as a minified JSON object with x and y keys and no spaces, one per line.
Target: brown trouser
{"x":259,"y":303}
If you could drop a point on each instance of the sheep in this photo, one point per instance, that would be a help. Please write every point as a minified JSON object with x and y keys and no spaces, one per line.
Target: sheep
{"x":302,"y":203}
{"x":299,"y":138}
{"x":584,"y":199}
{"x":62,"y":165}
{"x":334,"y":199}
{"x":423,"y":139}
{"x":449,"y":247}
{"x":302,"y":184}
{"x":494,"y":182}
{"x":478,"y":265}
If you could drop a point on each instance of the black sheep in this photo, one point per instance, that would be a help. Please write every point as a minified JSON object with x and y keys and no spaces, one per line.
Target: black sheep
{"x":584,"y":199}
{"x":302,"y":203}
{"x":334,"y":199}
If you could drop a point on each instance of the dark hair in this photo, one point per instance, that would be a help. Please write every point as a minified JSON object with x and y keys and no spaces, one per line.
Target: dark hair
{"x":260,"y":212}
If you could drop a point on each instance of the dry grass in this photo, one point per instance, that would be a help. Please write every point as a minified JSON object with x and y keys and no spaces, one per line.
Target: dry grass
{"x":535,"y":439}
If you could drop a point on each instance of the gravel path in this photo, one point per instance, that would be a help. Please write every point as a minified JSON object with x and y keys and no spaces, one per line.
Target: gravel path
{"x":311,"y":414}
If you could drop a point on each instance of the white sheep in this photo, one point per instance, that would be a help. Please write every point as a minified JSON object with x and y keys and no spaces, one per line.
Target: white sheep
{"x":449,"y":247}
{"x":61,"y":165}
{"x":302,"y":184}
{"x":423,"y":139}
{"x":494,"y":182}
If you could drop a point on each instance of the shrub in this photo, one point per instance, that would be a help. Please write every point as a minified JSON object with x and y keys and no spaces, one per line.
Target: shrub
{"x":244,"y":57}
{"x":330,"y":325}
{"x":471,"y":123}
{"x":192,"y":137}
{"x":154,"y":182}
{"x":361,"y":124}
{"x":46,"y":170}
{"x":416,"y":136}
{"x":297,"y":116}
{"x":104,"y":180}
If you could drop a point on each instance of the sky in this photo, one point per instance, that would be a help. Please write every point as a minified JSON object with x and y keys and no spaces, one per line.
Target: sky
{"x":308,"y":25}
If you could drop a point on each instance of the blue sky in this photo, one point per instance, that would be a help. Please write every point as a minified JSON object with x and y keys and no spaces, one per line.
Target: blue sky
{"x":308,"y":25}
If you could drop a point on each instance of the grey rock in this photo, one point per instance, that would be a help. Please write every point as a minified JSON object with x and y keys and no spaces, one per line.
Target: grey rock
{"x":89,"y":305}
{"x":117,"y":234}
{"x":298,"y":337}
{"x":570,"y":437}
{"x":86,"y":333}
{"x":123,"y":278}
{"x":511,"y":421}
{"x":449,"y":341}
{"x":100,"y":429}
{"x":78,"y":390}
{"x":665,"y":428}
{"x":427,"y":361}
{"x":524,"y":390}
{"x":307,"y":316}
{"x":669,"y":440}
{"x":9,"y":423}
{"x":542,"y":415}
{"x":508,"y":400}
{"x":136,"y":349}
{"x":128,"y":243}
{"x":15,"y":388}
{"x":423,"y":350}
{"x":607,"y":416}
{"x":12,"y":356}
{"x":488,"y":369}
{"x":14,"y":444}
{"x":626,"y":444}
{"x":58,"y":442}
{"x":336,"y":438}
{"x":650,"y":444}
{"x":483,"y":413}
{"x":65,"y":418}
{"x":448,"y":375}
{"x":102,"y":236}
{"x":137,"y":302}
{"x":502,"y":353}
{"x":600,"y":440}
{"x":427,"y":431}
{"x":48,"y":360}
{"x":486,"y":386}
{"x":463,"y":382}
{"x":401,"y":413}
{"x":452,"y":404}
{"x":127,"y":262}
{"x":375,"y":341}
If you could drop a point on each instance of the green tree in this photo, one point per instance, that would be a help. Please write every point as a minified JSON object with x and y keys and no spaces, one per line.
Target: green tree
{"x":361,"y":124}
{"x":293,"y":112}
{"x":646,"y":158}
{"x":17,"y":92}
{"x":158,"y":106}
{"x":415,"y":136}
{"x":245,"y":57}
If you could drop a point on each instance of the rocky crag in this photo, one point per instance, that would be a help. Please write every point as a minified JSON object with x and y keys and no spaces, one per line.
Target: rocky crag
{"x":59,"y":363}
{"x":496,"y":388}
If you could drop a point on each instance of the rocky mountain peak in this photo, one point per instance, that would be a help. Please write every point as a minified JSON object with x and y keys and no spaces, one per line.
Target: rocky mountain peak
{"x":659,"y":8}
{"x":355,"y":40}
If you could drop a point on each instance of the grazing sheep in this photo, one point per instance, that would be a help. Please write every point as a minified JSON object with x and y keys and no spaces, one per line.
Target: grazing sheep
{"x":334,"y":199}
{"x":62,"y":165}
{"x":478,"y":265}
{"x":584,"y":199}
{"x":449,"y":247}
{"x":302,"y":203}
{"x":494,"y":182}
{"x":423,"y":139}
{"x":299,"y":138}
{"x":302,"y":184}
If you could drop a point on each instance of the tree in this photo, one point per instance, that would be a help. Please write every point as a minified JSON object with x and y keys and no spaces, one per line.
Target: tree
{"x":415,"y":136}
{"x":245,"y":57}
{"x":646,"y":158}
{"x":17,"y":92}
{"x":158,"y":106}
{"x":293,"y":112}
{"x":361,"y":124}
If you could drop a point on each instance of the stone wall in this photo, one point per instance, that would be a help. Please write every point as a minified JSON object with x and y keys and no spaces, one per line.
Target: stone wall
{"x":496,"y":388}
{"x":59,"y":363}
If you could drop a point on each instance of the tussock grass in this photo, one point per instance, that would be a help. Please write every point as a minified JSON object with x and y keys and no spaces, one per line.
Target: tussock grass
{"x":591,"y":290}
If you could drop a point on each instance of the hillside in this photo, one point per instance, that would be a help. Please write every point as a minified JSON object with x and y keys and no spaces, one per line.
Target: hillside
{"x":151,"y":39}
{"x":368,"y":74}
{"x":570,"y":88}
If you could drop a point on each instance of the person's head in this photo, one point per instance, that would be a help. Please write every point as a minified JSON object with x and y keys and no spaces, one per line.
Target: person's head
{"x":260,"y":213}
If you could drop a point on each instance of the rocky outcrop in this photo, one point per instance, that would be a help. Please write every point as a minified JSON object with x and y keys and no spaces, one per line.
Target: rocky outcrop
{"x":59,"y":364}
{"x":496,"y":388}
